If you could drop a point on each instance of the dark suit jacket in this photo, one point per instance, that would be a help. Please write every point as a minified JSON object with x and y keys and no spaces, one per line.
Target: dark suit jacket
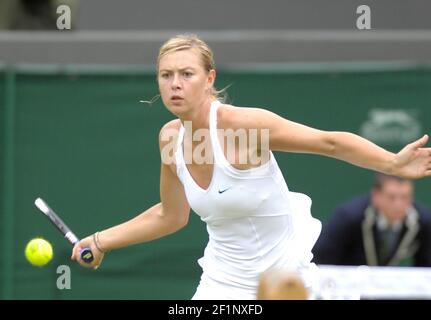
{"x":351,"y":237}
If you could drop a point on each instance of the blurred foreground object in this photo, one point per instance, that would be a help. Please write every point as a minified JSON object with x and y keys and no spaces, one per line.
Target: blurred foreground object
{"x":281,"y":285}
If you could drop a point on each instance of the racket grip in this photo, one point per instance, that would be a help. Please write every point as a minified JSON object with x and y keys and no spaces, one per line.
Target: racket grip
{"x":87,"y":255}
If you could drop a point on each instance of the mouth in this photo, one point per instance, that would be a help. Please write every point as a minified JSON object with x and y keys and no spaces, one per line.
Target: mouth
{"x":176,"y":98}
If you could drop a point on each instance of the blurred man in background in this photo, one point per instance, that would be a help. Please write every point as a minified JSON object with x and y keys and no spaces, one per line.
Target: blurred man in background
{"x":384,"y":228}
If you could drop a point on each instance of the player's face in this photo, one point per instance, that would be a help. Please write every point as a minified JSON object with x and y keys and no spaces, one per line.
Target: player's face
{"x":394,"y":199}
{"x":184,"y":84}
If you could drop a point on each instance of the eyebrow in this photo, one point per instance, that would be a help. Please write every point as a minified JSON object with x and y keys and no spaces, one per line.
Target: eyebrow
{"x":181,"y":69}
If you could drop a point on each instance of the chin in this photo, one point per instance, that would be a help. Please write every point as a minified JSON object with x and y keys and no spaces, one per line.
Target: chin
{"x":177,"y":110}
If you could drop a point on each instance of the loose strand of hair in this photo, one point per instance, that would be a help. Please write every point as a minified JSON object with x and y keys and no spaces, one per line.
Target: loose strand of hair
{"x":150,"y":102}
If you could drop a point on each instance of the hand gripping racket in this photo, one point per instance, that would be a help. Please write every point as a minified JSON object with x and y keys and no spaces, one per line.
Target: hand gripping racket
{"x":86,"y":254}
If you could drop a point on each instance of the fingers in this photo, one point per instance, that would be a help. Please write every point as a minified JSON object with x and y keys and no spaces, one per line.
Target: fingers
{"x":97,"y":259}
{"x":420,"y":142}
{"x":87,"y":243}
{"x":97,"y":262}
{"x":74,"y":250}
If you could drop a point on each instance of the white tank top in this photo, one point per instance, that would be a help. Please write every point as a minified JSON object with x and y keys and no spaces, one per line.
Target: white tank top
{"x":254,"y":222}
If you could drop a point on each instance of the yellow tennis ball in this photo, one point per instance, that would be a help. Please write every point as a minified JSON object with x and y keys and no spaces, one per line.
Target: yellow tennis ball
{"x":38,"y":252}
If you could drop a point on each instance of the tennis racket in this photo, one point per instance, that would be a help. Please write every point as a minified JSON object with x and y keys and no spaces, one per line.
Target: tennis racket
{"x":86,"y":254}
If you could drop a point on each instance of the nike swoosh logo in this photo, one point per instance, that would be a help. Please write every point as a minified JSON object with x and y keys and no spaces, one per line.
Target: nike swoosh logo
{"x":221,"y":191}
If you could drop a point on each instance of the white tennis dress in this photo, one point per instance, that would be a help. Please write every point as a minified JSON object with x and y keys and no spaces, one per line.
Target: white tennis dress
{"x":254,"y":223}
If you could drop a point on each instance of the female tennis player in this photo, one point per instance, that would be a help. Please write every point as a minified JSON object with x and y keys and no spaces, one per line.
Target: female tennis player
{"x":255,"y":223}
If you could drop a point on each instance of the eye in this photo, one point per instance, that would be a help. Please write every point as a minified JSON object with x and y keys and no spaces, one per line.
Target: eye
{"x":164,"y":75}
{"x":187,"y":74}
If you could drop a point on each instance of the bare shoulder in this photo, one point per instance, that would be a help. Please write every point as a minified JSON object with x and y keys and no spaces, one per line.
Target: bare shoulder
{"x":229,"y":116}
{"x":173,"y":124}
{"x":169,"y":130}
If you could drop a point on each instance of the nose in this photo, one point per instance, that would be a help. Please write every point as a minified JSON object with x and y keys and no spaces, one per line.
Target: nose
{"x":175,"y":82}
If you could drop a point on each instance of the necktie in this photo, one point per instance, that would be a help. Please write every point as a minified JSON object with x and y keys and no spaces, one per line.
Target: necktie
{"x":388,"y":238}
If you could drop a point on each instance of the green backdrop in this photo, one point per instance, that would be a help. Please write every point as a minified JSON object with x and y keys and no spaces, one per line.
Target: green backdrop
{"x":79,"y":138}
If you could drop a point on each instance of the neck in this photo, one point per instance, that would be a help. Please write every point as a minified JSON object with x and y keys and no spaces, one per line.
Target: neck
{"x":198,"y":116}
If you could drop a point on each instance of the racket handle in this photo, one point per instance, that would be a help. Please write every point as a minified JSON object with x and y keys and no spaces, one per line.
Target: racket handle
{"x":87,"y":255}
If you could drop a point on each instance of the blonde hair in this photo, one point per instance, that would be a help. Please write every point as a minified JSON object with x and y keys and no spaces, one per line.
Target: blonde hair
{"x":187,"y":42}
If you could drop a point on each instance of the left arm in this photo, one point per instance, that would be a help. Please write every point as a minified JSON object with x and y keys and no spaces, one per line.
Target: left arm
{"x":412,"y":161}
